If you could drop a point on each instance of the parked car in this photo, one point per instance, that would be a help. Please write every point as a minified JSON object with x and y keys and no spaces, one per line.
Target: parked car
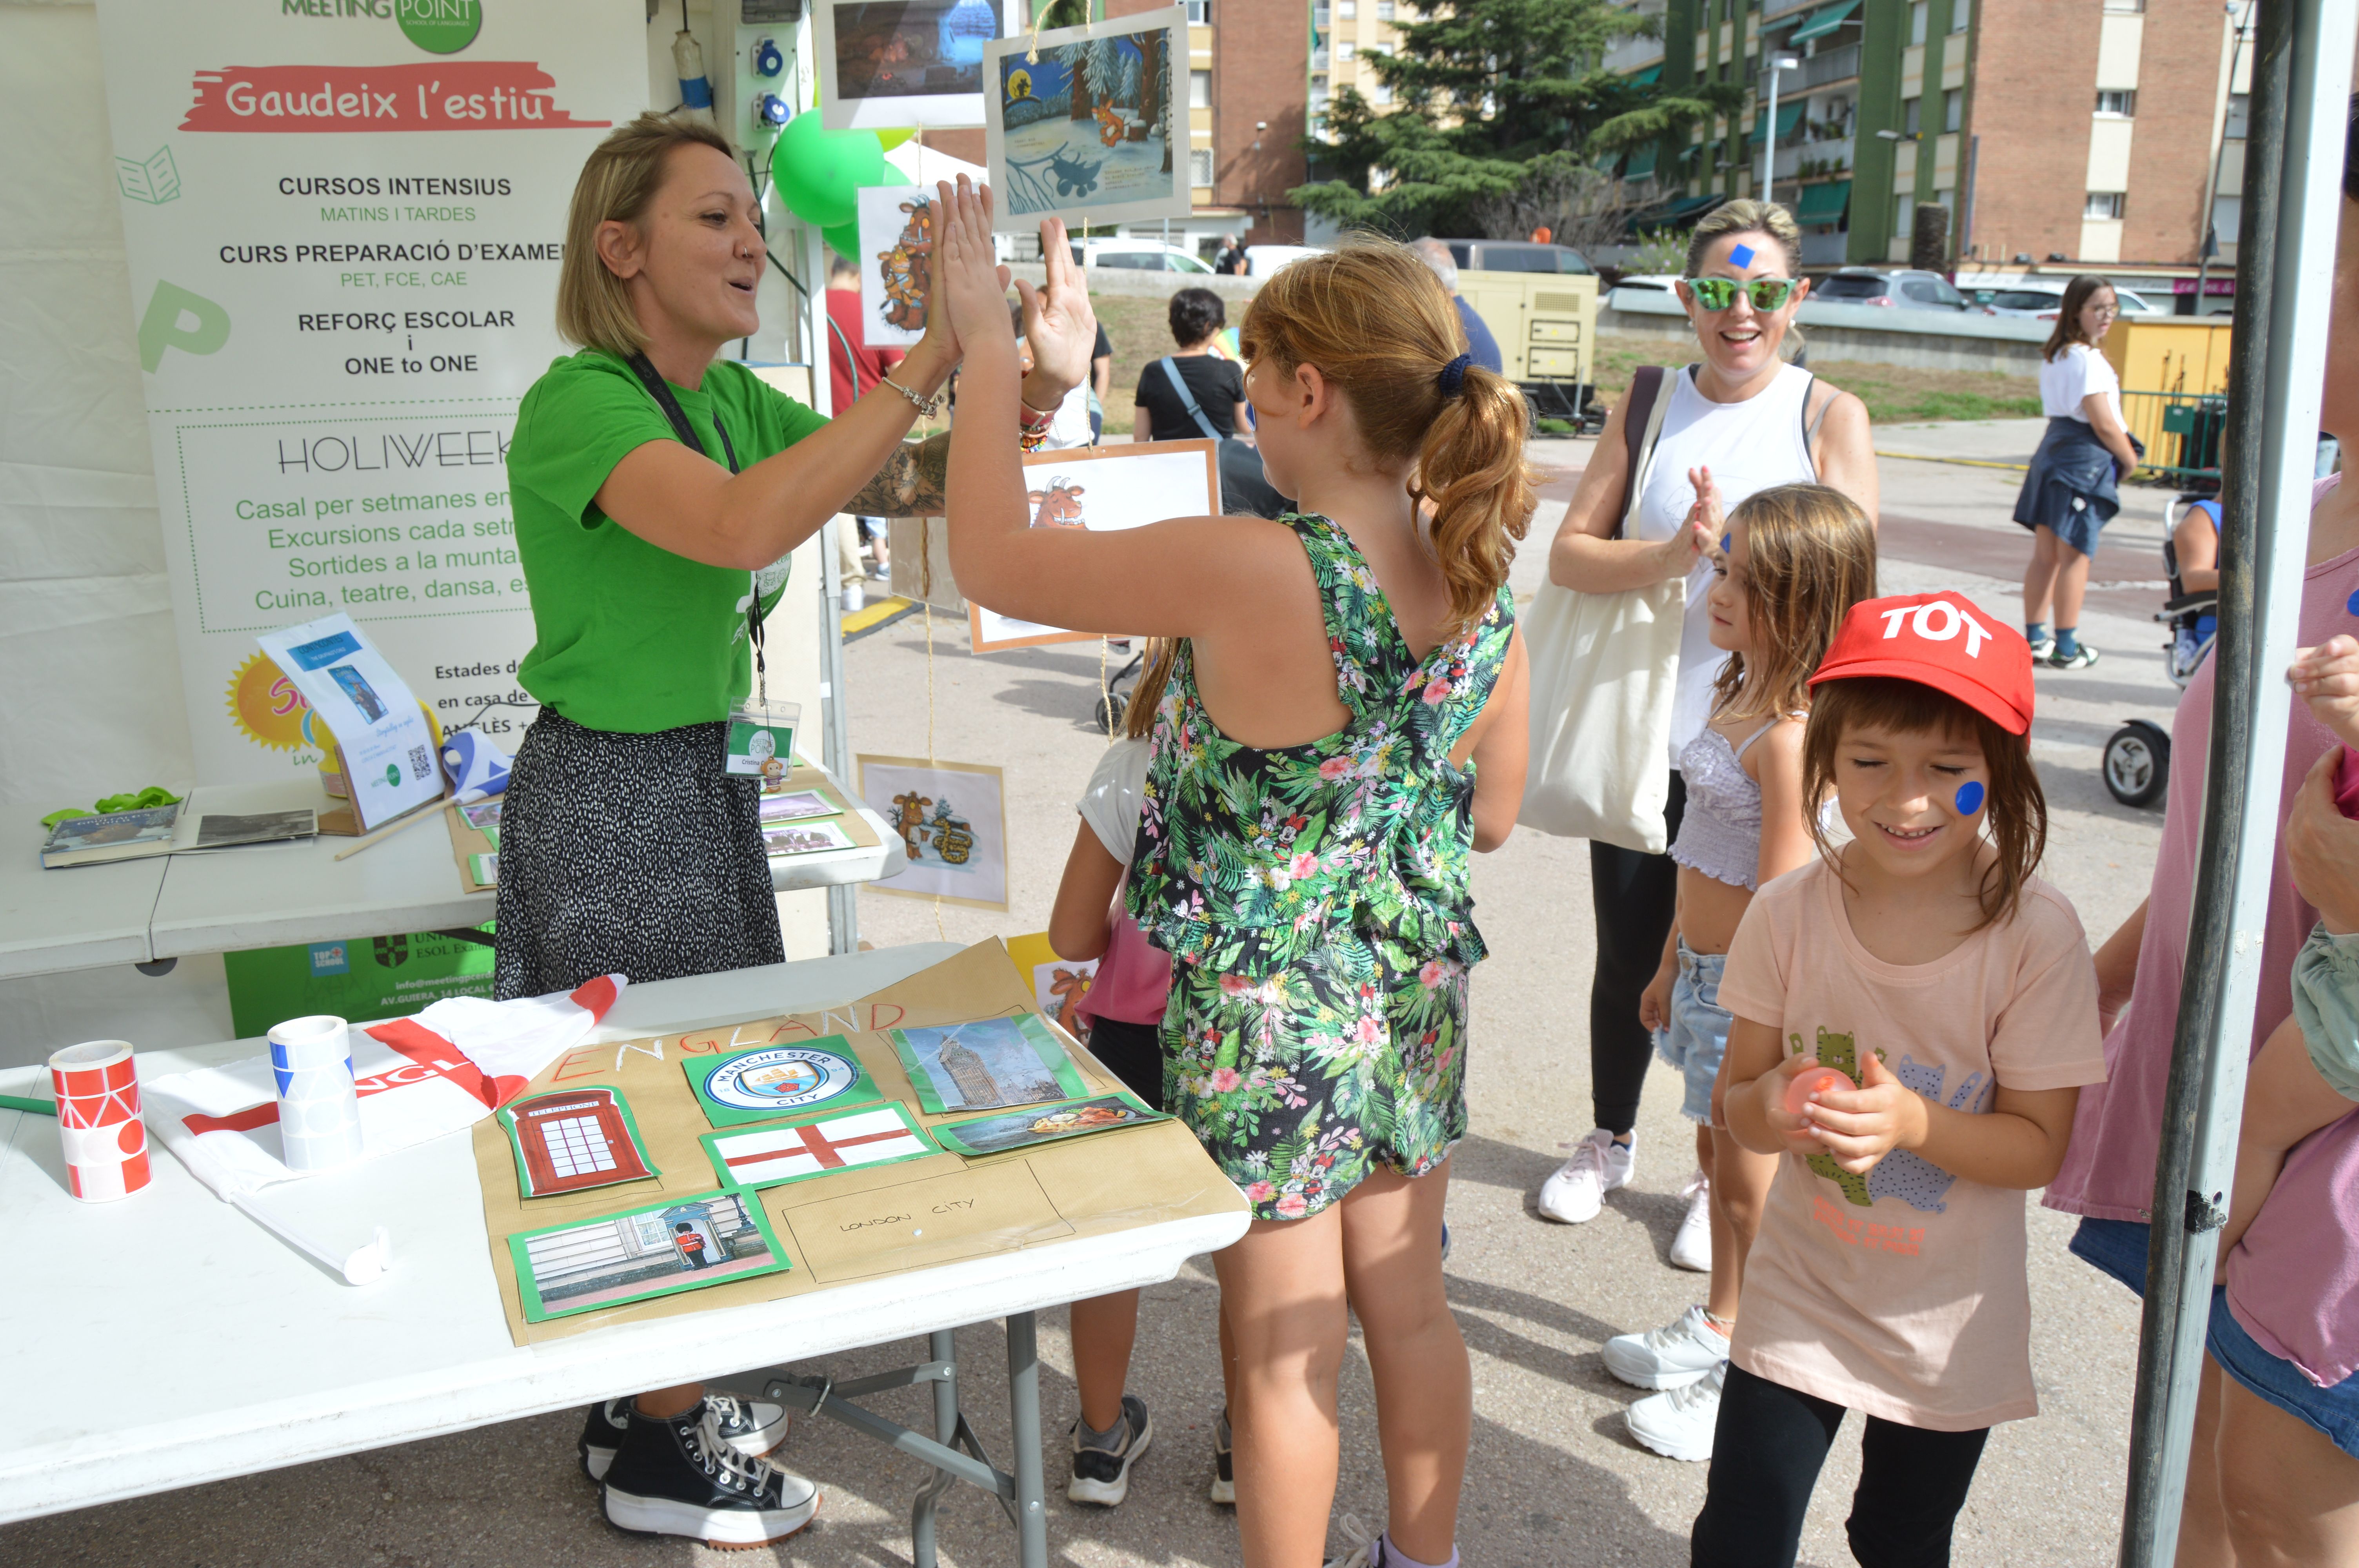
{"x":1517,"y":255}
{"x":1901,"y":289}
{"x":1263,"y":260}
{"x":1137,"y":255}
{"x":2043,"y":301}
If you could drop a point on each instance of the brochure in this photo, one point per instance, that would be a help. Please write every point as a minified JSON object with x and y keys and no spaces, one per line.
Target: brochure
{"x":389,"y":762}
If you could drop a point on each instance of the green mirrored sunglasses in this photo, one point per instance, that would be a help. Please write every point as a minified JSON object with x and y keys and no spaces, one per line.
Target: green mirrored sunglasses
{"x":1720,"y":293}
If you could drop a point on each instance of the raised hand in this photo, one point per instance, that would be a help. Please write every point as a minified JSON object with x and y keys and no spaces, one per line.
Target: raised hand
{"x":1058,"y":320}
{"x":969,"y":283}
{"x":1699,"y":535}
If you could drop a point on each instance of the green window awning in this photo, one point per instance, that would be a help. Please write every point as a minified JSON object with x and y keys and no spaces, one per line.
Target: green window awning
{"x":1789,"y":114}
{"x":1824,"y":20}
{"x":1648,"y":77}
{"x":1640,"y":165}
{"x":1823,"y":203}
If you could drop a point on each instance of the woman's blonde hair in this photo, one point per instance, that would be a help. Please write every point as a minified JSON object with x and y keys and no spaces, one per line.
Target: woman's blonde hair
{"x":1809,"y":556}
{"x":1380,"y":326}
{"x":617,"y":184}
{"x":1746,"y":216}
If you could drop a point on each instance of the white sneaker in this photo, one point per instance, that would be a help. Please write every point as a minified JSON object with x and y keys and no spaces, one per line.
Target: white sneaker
{"x":1598,"y":1165}
{"x":1671,"y":1356}
{"x":1678,"y":1425}
{"x":1692,"y":1248}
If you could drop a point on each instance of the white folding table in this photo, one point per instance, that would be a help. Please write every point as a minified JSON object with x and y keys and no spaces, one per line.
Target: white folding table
{"x":265,"y":895}
{"x":166,"y":1340}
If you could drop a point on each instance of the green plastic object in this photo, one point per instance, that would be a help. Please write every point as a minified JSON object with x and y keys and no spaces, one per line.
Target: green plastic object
{"x":820,"y":172}
{"x":153,"y":796}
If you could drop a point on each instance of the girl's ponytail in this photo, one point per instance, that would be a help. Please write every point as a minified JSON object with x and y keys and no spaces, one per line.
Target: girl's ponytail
{"x":1470,"y":471}
{"x":1382,"y":329}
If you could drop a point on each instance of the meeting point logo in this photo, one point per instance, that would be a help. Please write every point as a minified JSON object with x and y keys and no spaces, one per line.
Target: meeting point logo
{"x":438,"y":27}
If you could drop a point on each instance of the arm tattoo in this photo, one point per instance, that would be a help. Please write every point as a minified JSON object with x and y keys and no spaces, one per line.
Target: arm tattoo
{"x":912,"y":484}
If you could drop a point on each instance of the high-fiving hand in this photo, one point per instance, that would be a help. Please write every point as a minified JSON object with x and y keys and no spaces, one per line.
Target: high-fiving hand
{"x":969,"y":283}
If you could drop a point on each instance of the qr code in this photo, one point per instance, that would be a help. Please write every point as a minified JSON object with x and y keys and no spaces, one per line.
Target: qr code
{"x":421,"y":762}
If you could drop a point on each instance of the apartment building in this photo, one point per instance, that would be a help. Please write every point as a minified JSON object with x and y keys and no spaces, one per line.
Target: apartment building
{"x":1246,"y":95}
{"x":2054,"y":133}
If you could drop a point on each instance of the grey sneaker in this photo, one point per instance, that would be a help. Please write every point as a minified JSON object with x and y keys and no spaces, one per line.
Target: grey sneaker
{"x":2043,"y":649}
{"x":2080,"y":658}
{"x":1101,"y":1460}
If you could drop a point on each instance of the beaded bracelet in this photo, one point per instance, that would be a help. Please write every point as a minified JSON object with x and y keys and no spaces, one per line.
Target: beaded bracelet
{"x":1032,"y":425}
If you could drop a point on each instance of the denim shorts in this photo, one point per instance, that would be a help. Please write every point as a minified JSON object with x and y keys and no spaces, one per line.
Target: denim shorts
{"x":2117,"y":1248}
{"x":1697,"y":1036}
{"x":2335,"y":1411}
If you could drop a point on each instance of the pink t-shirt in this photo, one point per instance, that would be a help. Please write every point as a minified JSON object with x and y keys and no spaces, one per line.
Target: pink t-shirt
{"x":2117,"y":1137}
{"x":1902,"y":1293}
{"x":1134,"y":977}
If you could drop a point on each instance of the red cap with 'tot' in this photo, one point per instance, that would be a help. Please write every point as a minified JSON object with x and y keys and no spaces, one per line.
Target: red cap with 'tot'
{"x":1938,"y":640}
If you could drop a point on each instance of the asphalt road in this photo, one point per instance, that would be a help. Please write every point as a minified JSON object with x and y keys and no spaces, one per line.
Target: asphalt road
{"x":1554,"y":1478}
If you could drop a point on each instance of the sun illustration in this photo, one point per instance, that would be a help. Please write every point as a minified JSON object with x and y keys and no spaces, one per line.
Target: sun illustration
{"x":266,"y":707}
{"x":1019,"y":84}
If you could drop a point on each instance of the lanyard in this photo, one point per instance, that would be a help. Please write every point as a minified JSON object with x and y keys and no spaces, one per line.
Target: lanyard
{"x":660,"y":390}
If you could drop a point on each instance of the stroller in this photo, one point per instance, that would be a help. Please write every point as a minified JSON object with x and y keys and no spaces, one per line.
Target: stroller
{"x":2136,"y":766}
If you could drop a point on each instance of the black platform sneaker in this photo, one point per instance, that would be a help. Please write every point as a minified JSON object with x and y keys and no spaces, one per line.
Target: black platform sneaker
{"x":749,"y":1426}
{"x":674,"y":1477}
{"x":1101,"y":1460}
{"x":1224,"y":1469}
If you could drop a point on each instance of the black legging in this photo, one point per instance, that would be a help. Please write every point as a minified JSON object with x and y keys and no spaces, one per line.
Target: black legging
{"x":1634,"y":897}
{"x":1766,"y":1453}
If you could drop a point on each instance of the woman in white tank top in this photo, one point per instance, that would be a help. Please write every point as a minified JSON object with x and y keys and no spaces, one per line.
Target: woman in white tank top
{"x":1753,"y":421}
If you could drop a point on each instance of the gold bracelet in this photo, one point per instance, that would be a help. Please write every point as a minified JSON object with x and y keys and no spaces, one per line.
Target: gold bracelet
{"x":1043,"y":414}
{"x":924,"y":405}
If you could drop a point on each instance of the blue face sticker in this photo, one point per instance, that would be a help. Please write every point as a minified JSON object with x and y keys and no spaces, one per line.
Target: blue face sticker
{"x":1970,"y":797}
{"x":1728,"y":542}
{"x":1740,"y":256}
{"x":2352,"y":604}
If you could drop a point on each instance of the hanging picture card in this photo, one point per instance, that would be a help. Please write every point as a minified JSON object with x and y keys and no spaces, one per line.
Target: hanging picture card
{"x":1080,"y":123}
{"x":953,"y":819}
{"x":896,"y":254}
{"x":884,"y":63}
{"x":1103,"y":489}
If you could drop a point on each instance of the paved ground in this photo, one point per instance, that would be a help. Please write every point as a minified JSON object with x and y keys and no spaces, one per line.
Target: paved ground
{"x":1554,"y":1478}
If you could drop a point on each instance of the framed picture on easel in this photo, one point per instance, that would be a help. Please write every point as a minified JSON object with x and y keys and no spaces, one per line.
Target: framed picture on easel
{"x":1102,"y":488}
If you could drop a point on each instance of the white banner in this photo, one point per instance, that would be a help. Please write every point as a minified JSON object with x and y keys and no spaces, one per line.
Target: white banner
{"x":343,"y":221}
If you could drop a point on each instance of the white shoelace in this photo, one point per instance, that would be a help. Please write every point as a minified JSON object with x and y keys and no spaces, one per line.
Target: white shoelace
{"x":1686,"y":1396}
{"x":1670,"y":1333}
{"x":1588,"y":1154}
{"x":1357,"y":1540}
{"x":1697,"y":1185}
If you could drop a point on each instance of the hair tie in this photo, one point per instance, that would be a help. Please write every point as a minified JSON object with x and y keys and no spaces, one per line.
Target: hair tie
{"x":1452,"y":380}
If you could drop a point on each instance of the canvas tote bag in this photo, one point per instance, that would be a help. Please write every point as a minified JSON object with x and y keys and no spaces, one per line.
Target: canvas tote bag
{"x":1604,"y":666}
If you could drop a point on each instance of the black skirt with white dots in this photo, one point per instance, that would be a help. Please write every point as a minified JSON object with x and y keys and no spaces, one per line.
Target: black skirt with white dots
{"x":632,"y":855}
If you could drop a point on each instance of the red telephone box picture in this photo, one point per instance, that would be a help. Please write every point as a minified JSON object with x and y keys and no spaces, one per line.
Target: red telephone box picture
{"x":573,"y":1141}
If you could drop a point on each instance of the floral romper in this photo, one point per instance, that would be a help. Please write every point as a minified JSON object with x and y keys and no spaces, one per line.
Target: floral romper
{"x":1315,"y":900}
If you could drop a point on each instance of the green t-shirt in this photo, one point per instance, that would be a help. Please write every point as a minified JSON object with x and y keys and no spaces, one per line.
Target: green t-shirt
{"x":626,"y":636}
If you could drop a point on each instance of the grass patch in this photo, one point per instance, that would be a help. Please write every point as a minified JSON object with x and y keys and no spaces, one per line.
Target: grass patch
{"x":1894,"y":395}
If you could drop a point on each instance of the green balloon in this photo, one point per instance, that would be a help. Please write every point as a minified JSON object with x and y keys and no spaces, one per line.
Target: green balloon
{"x":845,"y":240}
{"x":820,"y":172}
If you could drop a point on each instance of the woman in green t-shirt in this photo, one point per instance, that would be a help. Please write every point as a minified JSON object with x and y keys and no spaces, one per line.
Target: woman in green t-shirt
{"x":657,"y":494}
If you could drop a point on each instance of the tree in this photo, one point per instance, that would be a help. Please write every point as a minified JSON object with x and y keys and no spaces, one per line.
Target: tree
{"x":1501,"y":106}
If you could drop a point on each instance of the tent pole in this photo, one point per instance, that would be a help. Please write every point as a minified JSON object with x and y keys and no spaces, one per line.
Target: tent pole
{"x":2291,"y":207}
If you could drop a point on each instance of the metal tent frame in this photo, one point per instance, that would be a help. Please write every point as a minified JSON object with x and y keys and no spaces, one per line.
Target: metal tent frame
{"x":2293,"y":199}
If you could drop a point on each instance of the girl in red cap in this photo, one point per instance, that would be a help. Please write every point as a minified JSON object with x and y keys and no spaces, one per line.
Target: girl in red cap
{"x":1954,"y":990}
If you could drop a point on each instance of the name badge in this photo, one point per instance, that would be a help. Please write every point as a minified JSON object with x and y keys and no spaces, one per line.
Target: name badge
{"x":761,"y":740}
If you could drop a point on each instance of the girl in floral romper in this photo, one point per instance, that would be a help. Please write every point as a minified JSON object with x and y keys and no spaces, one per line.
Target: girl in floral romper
{"x":1345,"y":720}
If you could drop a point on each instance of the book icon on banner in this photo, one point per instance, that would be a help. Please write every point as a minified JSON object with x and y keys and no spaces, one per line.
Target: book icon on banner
{"x":154,"y":179}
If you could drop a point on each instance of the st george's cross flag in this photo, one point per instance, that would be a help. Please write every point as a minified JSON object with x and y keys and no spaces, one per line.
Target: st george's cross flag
{"x":766,"y":1156}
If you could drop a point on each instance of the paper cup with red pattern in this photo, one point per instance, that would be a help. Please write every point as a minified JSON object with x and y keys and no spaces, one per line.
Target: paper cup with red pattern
{"x":97,"y":1088}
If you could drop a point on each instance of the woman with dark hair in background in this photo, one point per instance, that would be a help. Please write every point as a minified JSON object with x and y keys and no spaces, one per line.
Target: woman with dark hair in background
{"x":1197,"y":391}
{"x":1191,"y":390}
{"x":2069,"y":495}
